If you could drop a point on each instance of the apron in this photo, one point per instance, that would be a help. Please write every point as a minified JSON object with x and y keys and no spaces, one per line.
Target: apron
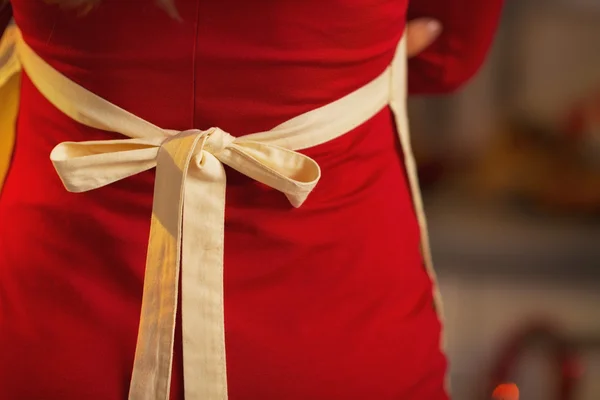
{"x":190,"y":176}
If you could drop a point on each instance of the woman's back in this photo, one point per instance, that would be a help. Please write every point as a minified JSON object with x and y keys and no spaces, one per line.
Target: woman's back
{"x":328,"y":301}
{"x":244,"y":66}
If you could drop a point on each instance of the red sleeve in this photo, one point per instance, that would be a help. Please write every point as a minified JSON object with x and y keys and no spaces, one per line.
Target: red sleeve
{"x":468,"y":30}
{"x":5,"y":16}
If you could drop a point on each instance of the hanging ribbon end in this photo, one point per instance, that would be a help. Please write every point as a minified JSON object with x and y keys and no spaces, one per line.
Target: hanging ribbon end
{"x":296,"y":200}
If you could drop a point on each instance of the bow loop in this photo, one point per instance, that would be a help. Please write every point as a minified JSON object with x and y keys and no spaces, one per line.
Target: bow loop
{"x":90,"y":165}
{"x":287,"y":171}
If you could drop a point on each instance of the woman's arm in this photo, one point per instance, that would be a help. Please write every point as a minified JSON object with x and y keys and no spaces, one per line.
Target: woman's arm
{"x":468,"y":29}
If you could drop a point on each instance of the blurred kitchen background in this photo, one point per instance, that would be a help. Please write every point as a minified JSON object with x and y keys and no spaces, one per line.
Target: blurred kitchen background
{"x":511,"y":172}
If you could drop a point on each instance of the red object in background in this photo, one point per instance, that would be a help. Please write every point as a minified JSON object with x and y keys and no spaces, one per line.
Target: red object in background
{"x":567,"y":363}
{"x":584,"y":116}
{"x":583,"y":128}
{"x":575,"y":122}
{"x":506,"y":391}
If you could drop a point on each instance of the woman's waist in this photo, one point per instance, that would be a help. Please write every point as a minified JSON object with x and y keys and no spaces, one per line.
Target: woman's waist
{"x":41,"y":126}
{"x":356,"y":158}
{"x":351,"y":164}
{"x":241,"y":99}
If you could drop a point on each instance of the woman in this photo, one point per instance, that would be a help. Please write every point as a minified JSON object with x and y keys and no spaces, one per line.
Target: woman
{"x":325,"y":295}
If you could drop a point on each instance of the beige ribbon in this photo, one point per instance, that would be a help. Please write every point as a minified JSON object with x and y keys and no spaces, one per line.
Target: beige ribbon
{"x":187,"y":226}
{"x":190,"y":176}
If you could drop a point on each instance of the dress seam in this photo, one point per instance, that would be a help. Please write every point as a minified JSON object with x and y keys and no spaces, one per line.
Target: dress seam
{"x":194,"y":61}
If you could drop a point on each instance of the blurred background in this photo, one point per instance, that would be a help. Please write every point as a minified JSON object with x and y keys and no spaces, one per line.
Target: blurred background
{"x":511,"y":172}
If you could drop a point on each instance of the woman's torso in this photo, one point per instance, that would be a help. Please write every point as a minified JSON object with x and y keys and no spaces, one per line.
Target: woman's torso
{"x":327,"y":301}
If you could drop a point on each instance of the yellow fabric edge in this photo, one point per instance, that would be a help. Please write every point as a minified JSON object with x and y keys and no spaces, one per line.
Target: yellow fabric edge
{"x":10,"y":84}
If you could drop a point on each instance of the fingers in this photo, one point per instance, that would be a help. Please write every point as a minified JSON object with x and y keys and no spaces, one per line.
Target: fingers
{"x":420,"y":33}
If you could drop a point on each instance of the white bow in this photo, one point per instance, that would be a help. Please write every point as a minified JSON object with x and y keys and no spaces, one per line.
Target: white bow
{"x":190,"y":176}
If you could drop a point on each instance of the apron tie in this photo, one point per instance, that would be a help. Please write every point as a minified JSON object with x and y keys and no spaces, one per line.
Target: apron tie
{"x":186,"y":229}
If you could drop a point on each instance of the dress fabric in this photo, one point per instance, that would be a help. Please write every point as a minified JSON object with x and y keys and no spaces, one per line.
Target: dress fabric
{"x":328,"y":301}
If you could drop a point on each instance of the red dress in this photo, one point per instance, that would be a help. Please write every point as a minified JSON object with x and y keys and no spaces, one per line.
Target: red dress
{"x":327,"y":301}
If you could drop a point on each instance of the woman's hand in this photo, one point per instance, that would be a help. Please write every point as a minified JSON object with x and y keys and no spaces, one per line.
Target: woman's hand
{"x":420,"y":33}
